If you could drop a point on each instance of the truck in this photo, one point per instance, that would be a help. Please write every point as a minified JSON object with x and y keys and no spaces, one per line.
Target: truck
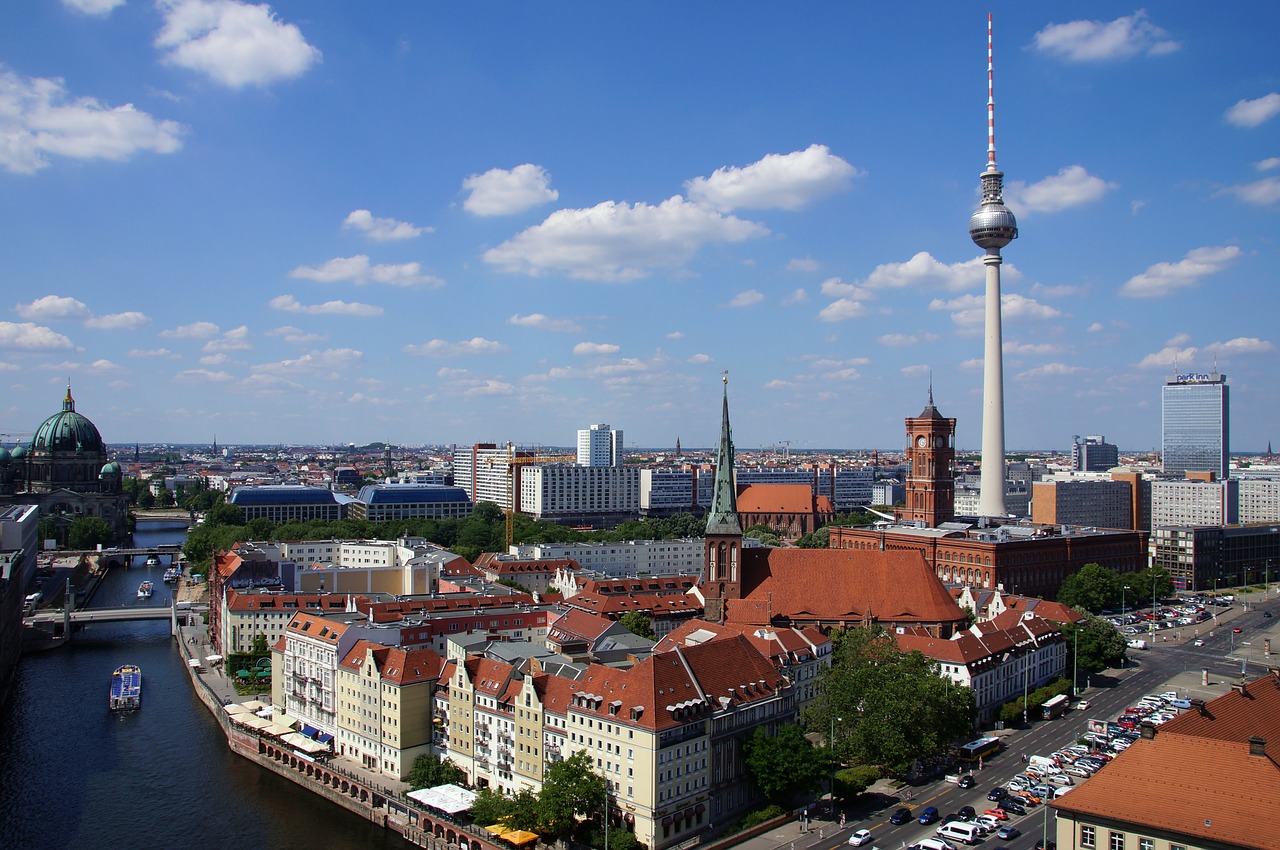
{"x":1044,"y":763}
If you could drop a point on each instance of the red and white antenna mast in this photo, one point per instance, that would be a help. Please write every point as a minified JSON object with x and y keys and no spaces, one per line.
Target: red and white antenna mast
{"x":991,"y":105}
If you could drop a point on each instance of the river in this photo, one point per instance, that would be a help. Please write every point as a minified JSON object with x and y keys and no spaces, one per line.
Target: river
{"x":75,"y":775}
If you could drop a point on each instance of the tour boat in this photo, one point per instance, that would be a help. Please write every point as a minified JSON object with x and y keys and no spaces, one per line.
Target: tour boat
{"x":126,"y":688}
{"x":144,"y":590}
{"x":172,"y":574}
{"x":153,"y":561}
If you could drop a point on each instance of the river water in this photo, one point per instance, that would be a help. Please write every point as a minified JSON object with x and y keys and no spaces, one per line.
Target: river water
{"x":74,"y":775}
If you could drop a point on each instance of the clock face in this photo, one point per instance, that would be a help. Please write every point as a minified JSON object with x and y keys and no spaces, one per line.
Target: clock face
{"x":937,"y":441}
{"x":922,"y":440}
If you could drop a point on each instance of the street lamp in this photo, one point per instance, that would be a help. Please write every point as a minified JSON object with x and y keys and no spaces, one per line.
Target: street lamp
{"x":1075,"y":661}
{"x":831,"y":743}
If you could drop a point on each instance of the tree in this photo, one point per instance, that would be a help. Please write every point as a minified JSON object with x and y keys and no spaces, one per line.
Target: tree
{"x":428,"y":771}
{"x":87,"y":532}
{"x":490,"y":806}
{"x":1094,"y":588}
{"x":638,"y":623}
{"x":569,"y":787}
{"x":259,"y":528}
{"x":785,"y":763}
{"x":224,"y":514}
{"x":1151,"y":582}
{"x":1099,"y":645}
{"x":819,"y":539}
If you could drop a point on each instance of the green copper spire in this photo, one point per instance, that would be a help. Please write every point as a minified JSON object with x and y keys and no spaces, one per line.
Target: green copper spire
{"x":723,"y":516}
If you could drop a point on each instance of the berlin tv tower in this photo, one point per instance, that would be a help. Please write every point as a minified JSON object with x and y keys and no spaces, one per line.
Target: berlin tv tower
{"x":991,"y":228}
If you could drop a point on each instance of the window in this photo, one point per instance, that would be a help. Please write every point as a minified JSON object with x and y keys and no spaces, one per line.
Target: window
{"x":1087,"y":836}
{"x":1146,"y":844}
{"x":1117,"y":841}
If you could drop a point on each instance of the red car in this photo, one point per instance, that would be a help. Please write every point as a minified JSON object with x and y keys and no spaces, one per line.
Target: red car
{"x":998,"y":814}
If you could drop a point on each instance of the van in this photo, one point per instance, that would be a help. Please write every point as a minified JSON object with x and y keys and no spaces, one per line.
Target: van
{"x":956,"y":831}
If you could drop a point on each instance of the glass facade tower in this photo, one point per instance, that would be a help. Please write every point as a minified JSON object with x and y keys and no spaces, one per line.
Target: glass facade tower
{"x":1194,"y":434}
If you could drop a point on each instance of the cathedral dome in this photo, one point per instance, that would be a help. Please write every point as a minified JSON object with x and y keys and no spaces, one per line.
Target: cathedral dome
{"x":110,"y":468}
{"x":67,"y":431}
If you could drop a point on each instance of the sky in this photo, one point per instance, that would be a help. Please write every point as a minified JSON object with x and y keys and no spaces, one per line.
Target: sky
{"x":332,"y":222}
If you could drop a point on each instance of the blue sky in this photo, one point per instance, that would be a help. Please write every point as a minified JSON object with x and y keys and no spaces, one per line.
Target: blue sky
{"x":431,"y":223}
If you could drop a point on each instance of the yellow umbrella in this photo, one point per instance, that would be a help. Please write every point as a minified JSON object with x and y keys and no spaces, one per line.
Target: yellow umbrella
{"x":520,"y":836}
{"x":498,"y":829}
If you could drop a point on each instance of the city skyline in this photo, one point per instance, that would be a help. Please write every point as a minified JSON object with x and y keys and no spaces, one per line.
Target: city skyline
{"x":454,"y":227}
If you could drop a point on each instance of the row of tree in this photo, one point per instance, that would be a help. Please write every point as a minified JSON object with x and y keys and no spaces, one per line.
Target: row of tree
{"x":1096,"y":588}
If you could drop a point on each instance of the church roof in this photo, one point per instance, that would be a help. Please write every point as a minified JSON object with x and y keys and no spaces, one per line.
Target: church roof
{"x":68,"y":431}
{"x":775,"y":498}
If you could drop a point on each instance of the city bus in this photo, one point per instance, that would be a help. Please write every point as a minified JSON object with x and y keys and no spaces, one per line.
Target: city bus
{"x":1055,"y":707}
{"x":981,"y":748}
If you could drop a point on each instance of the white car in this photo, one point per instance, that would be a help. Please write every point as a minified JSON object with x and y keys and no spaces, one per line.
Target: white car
{"x":860,"y":837}
{"x":1060,"y":779}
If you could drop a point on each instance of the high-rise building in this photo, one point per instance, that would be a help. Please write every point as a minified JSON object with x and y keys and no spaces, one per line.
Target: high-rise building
{"x":991,"y":228}
{"x":1093,"y":454}
{"x":1195,"y":424}
{"x":600,"y":445}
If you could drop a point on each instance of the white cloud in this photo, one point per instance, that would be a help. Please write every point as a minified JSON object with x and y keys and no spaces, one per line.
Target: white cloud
{"x":1268,"y":164}
{"x":118,"y":321}
{"x":92,"y":7}
{"x":1094,"y":328}
{"x":973,"y":364}
{"x":236,"y":339}
{"x":596,"y":348}
{"x":195,"y":330}
{"x":289,"y":304}
{"x":327,"y":362}
{"x":617,"y":241}
{"x":916,"y":371}
{"x":747,"y":298}
{"x":296,"y":336}
{"x":800,"y":296}
{"x":676,"y":335}
{"x":51,"y":308}
{"x":232,"y":43}
{"x":382,"y":229}
{"x":1070,"y":187}
{"x":969,"y":311}
{"x":803,"y":264}
{"x":1166,"y":278}
{"x":699,"y":359}
{"x":1175,"y":351}
{"x":37,"y":118}
{"x":444,"y":348}
{"x":490,"y":387}
{"x":28,"y":336}
{"x":904,"y":340}
{"x":1241,"y":345}
{"x":215,"y":360}
{"x":1096,"y":41}
{"x":359,"y":270}
{"x":545,"y":323}
{"x":1050,"y":370}
{"x":777,"y":181}
{"x":849,"y":303}
{"x":924,"y":270}
{"x":1038,"y":349}
{"x":154,"y":352}
{"x":201,"y":376}
{"x":1251,"y":113}
{"x":502,"y":192}
{"x":1263,"y":193}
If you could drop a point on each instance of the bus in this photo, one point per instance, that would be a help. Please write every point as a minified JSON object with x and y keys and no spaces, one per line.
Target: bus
{"x":979,"y":749}
{"x":1055,"y":707}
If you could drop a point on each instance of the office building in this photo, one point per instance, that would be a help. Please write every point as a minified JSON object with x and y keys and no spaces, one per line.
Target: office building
{"x":1100,"y":502}
{"x":387,"y":502}
{"x":600,"y":445}
{"x":1195,"y":425}
{"x":1093,"y":454}
{"x":583,"y":495}
{"x":1211,"y":556}
{"x":1195,"y":501}
{"x":289,"y":503}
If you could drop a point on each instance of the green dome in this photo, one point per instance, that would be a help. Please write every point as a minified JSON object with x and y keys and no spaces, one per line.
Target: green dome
{"x":67,"y":431}
{"x":5,"y":456}
{"x":19,"y":452}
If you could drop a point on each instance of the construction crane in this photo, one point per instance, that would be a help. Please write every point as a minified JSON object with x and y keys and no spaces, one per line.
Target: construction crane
{"x":787,"y":445}
{"x":514,"y":461}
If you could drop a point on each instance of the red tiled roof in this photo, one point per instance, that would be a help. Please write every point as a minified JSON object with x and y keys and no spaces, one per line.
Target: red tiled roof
{"x":775,"y":498}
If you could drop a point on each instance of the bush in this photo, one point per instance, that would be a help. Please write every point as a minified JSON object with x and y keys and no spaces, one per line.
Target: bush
{"x":852,"y":781}
{"x":756,"y":818}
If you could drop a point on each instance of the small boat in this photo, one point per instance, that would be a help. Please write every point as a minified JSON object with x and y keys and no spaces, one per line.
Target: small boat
{"x":153,"y":561}
{"x":144,"y":590}
{"x":171,"y":575}
{"x":126,"y":688}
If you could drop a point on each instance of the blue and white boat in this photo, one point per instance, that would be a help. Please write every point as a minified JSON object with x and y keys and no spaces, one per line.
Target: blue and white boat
{"x":126,"y":688}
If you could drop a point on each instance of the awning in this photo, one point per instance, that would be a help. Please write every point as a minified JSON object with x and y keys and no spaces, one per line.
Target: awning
{"x":276,"y":730}
{"x":264,"y":712}
{"x":193,"y":663}
{"x":497,"y":829}
{"x":236,"y":708}
{"x":324,"y":738}
{"x":254,"y":705}
{"x":520,"y":836}
{"x":252,"y":721}
{"x":307,"y":745}
{"x":285,"y":720}
{"x":450,"y":799}
{"x":213,"y":659}
{"x":309,"y":731}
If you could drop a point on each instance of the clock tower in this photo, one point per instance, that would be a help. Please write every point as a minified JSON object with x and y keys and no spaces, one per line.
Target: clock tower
{"x":931,"y":452}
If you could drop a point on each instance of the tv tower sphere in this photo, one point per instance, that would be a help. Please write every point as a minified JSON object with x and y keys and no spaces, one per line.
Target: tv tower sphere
{"x":992,"y":225}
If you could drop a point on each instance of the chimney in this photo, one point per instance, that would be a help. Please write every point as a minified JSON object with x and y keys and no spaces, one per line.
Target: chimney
{"x":1148,"y":730}
{"x":1241,"y":688}
{"x":1198,"y":705}
{"x":1257,"y":746}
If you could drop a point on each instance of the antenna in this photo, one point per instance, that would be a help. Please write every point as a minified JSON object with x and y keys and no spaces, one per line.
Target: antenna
{"x":991,"y":105}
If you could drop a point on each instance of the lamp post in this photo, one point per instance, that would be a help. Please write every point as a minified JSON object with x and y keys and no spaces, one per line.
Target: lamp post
{"x":1075,"y":661}
{"x":1026,"y":675}
{"x":831,"y":742}
{"x":606,"y":814}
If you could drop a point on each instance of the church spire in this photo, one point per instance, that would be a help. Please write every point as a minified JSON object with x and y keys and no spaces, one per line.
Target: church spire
{"x":723,"y":516}
{"x":69,"y":403}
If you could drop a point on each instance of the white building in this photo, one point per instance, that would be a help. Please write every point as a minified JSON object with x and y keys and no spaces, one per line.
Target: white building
{"x":600,"y":445}
{"x":1259,"y":501}
{"x":304,"y":666}
{"x":1194,"y":502}
{"x":563,"y":490}
{"x":619,"y":560}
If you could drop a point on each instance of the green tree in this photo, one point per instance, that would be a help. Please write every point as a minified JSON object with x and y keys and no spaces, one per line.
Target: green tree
{"x":146,"y":499}
{"x":1151,"y":582}
{"x":819,"y":539}
{"x":224,"y":514}
{"x":47,"y":529}
{"x":1094,"y":588}
{"x":569,"y":788}
{"x":259,"y":528}
{"x":490,"y":806}
{"x":1093,"y":645}
{"x":638,"y":623}
{"x":428,"y":771}
{"x":852,"y":781}
{"x":87,"y":532}
{"x":785,"y":763}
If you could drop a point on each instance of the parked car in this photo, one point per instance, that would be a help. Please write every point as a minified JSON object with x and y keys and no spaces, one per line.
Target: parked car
{"x":1061,"y":779}
{"x":900,"y":816}
{"x":860,"y":837}
{"x":967,"y":813}
{"x":997,"y":793}
{"x":1043,"y":844}
{"x":998,"y":814}
{"x":1009,"y":832}
{"x":1012,"y":806}
{"x":929,"y":815}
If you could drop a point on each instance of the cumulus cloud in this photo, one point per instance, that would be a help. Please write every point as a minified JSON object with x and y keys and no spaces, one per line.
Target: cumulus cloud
{"x":28,"y":336}
{"x":215,"y":359}
{"x":232,"y":43}
{"x":1268,"y":164}
{"x":1100,"y":41}
{"x":1059,"y":291}
{"x":289,"y":304}
{"x":905,"y":340}
{"x":596,"y":348}
{"x":617,"y":241}
{"x":777,"y":181}
{"x":746,"y":298}
{"x":1094,"y":328}
{"x":38,"y":118}
{"x":544,"y":323}
{"x":201,"y":376}
{"x":699,"y":359}
{"x":1175,"y":350}
{"x":1166,"y":278}
{"x":850,"y":301}
{"x":802,"y":264}
{"x":1262,"y":193}
{"x":1241,"y":345}
{"x":676,"y":335}
{"x":924,"y":270}
{"x":327,"y":362}
{"x":1073,"y":186}
{"x":153,"y":352}
{"x":360,"y":271}
{"x":236,"y":339}
{"x":1050,"y":370}
{"x":969,"y":311}
{"x":99,"y":8}
{"x":195,"y":330}
{"x":444,"y":348}
{"x":52,"y":308}
{"x":800,"y":296}
{"x":296,"y":336}
{"x":502,"y":192}
{"x":1251,"y":113}
{"x":382,"y":229}
{"x":128,"y":320}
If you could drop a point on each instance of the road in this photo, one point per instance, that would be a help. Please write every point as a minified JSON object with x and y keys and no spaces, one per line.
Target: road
{"x":1165,"y":666}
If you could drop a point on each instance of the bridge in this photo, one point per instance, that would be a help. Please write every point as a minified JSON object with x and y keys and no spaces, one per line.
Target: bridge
{"x":100,"y":615}
{"x":162,"y":549}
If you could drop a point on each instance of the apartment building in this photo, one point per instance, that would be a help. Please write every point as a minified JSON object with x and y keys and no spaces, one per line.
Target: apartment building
{"x":624,"y":559}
